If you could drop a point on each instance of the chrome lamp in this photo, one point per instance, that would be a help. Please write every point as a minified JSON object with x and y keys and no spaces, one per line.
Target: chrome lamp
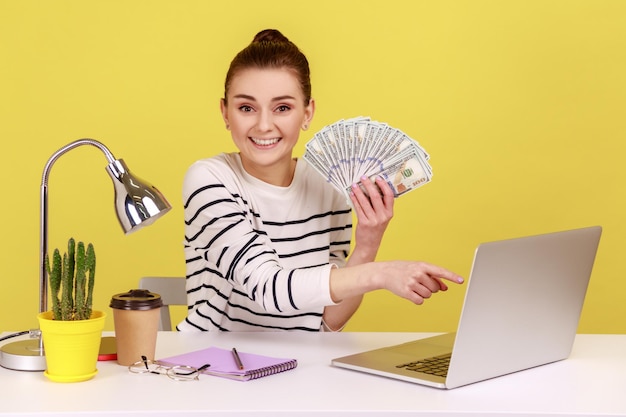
{"x":137,"y":204}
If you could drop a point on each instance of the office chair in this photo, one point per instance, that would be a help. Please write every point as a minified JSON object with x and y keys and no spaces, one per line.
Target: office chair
{"x":172,"y":291}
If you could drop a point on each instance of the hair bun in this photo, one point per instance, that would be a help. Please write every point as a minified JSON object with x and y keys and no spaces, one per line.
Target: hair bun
{"x":270,"y":35}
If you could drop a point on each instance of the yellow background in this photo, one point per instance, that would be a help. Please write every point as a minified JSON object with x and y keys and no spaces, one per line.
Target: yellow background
{"x":520,"y":104}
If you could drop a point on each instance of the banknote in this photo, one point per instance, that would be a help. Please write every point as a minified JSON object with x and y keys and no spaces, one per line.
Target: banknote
{"x":350,"y":149}
{"x":402,"y":176}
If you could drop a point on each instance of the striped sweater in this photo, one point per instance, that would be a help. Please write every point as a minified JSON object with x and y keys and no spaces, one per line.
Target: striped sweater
{"x":258,"y":256}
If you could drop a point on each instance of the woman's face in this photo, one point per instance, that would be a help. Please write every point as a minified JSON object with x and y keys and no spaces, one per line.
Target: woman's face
{"x":265,"y":111}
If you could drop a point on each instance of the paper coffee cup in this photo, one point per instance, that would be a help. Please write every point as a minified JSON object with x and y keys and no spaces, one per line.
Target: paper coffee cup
{"x":136,"y":320}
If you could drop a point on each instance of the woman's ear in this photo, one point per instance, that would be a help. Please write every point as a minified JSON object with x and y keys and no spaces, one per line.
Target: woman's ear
{"x":309,"y":112}
{"x":224,"y":110}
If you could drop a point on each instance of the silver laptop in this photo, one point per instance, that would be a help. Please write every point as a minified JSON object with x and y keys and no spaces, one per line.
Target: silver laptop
{"x":522,"y":306}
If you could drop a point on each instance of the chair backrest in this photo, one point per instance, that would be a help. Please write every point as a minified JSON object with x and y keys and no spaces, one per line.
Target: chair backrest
{"x":172,"y":291}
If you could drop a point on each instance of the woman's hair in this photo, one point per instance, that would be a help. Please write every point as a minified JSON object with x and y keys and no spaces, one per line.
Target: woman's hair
{"x":270,"y":49}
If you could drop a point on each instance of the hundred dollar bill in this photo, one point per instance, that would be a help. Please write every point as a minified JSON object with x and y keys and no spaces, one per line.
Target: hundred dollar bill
{"x":402,"y":176}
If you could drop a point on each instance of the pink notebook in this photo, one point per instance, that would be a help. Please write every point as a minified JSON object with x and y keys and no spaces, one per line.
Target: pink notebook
{"x":223,"y":363}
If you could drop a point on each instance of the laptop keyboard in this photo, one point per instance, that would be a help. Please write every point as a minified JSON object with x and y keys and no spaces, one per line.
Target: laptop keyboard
{"x":437,"y":365}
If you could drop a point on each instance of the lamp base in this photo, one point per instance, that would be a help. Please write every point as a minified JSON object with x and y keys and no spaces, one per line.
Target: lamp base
{"x":24,"y":355}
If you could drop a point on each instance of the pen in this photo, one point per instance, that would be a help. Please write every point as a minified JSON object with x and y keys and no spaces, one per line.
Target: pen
{"x":237,"y":359}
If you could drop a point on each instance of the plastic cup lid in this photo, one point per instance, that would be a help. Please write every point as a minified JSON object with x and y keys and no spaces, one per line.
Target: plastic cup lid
{"x":139,"y":299}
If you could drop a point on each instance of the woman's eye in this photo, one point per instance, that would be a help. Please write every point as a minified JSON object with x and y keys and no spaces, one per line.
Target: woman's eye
{"x":245,"y":108}
{"x":283,"y":108}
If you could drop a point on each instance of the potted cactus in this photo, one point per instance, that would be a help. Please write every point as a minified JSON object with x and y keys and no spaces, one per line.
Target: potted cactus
{"x":71,"y":331}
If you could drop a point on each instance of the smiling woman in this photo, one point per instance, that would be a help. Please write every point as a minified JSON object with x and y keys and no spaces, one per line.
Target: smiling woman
{"x":266,"y":239}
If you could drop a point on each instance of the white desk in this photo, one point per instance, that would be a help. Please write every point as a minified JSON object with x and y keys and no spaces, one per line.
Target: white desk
{"x":592,"y":382}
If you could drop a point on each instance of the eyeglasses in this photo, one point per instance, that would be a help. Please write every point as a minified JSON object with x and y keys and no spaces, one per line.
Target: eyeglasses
{"x":177,"y":373}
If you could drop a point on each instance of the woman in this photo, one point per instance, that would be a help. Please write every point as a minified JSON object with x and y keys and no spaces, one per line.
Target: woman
{"x":266,"y":238}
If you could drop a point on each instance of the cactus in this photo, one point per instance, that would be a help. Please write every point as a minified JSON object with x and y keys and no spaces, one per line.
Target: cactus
{"x":55,"y":281}
{"x":90,"y":265}
{"x":72,"y":281}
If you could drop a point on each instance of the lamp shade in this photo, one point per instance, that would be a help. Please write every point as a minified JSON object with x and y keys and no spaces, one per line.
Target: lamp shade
{"x":137,"y":203}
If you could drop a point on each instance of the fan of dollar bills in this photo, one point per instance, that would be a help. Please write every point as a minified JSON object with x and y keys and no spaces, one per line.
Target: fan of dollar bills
{"x":347,"y":150}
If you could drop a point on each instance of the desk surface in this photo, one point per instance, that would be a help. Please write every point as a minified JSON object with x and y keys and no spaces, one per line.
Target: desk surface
{"x":591,"y":382}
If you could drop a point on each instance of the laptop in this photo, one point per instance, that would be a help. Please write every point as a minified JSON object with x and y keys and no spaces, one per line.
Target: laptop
{"x":522,"y":305}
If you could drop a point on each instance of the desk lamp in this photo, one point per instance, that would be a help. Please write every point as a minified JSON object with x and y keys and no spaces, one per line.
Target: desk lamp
{"x":137,"y":204}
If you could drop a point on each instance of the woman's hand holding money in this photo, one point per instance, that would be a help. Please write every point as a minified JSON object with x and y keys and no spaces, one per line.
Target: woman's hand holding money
{"x":374,"y":212}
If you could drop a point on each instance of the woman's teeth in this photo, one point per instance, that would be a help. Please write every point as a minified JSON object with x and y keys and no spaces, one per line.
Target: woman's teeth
{"x":265,"y":142}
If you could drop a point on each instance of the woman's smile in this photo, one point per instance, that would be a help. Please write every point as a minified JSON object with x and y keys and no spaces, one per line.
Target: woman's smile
{"x":265,"y":142}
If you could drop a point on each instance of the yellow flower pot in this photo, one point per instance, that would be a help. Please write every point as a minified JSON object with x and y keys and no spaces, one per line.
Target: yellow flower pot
{"x":71,"y":347}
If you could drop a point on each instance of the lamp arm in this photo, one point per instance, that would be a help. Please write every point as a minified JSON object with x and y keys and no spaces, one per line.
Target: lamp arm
{"x":43,"y":230}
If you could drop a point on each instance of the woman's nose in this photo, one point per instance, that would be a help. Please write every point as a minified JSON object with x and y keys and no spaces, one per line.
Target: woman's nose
{"x":264,"y":121}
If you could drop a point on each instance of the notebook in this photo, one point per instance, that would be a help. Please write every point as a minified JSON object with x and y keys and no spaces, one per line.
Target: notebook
{"x":223,"y":363}
{"x":522,"y":305}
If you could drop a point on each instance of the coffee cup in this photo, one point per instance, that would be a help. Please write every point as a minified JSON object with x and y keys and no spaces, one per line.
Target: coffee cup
{"x":136,"y":316}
